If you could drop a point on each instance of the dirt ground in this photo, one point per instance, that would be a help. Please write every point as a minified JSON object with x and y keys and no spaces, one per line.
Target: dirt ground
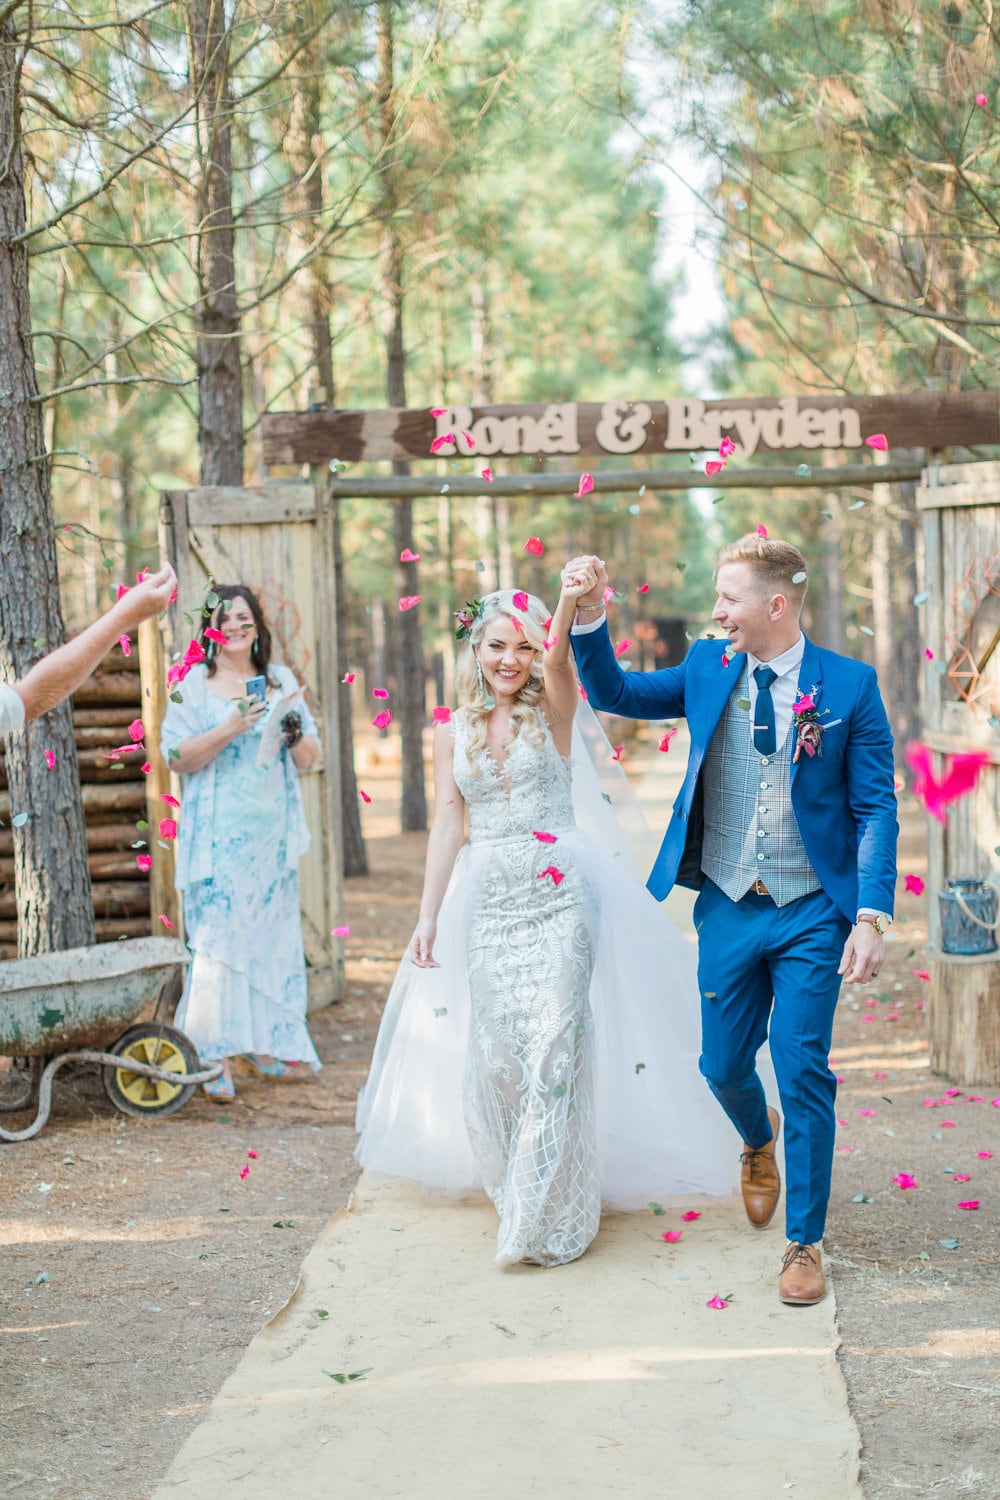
{"x":138,"y":1265}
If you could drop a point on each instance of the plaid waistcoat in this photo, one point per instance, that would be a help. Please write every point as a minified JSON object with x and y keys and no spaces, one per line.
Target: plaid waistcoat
{"x":750,"y":827}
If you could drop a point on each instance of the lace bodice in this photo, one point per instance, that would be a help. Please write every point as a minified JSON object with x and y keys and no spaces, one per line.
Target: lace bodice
{"x":532,"y":790}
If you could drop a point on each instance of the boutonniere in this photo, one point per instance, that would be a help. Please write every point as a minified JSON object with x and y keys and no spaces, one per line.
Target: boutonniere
{"x":808,"y":728}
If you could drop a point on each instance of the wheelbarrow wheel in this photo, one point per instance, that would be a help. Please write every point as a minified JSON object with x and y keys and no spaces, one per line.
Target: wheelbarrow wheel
{"x":158,"y":1046}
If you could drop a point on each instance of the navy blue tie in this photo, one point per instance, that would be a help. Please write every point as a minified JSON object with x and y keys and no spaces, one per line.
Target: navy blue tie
{"x":764,"y":741}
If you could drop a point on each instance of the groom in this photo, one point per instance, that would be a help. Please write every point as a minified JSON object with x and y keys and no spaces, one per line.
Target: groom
{"x":786,"y":825}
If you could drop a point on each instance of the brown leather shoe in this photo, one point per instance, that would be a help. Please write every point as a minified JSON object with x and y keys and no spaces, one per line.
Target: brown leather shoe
{"x":802,"y":1282}
{"x":760,"y":1180}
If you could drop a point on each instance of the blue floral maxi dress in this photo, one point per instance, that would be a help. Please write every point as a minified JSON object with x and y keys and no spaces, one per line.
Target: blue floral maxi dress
{"x":242,"y":831}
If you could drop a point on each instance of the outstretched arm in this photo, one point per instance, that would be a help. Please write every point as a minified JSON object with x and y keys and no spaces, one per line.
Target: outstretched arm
{"x":62,"y":671}
{"x":446,"y":838}
{"x":633,"y":695}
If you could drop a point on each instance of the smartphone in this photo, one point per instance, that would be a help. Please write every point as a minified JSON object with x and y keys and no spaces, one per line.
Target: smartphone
{"x":256,"y":687}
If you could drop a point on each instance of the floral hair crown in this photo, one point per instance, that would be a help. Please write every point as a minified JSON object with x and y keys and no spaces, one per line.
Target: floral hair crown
{"x":467,"y":617}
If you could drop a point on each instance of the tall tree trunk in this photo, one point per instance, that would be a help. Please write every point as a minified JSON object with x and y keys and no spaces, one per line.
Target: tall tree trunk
{"x":410,"y":708}
{"x":305,"y":149}
{"x":217,"y":349}
{"x":51,"y":879}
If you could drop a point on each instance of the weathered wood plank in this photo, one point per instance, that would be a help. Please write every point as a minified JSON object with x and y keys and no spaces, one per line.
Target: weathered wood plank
{"x":589,"y":429}
{"x":271,"y":502}
{"x":963,"y":1018}
{"x":406,"y":487}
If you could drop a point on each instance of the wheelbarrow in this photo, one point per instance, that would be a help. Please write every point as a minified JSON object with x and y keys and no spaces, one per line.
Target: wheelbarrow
{"x":72,"y":1006}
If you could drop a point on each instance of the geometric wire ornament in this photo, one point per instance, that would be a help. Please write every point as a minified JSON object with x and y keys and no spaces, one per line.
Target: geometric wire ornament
{"x":974,"y":639}
{"x":285,"y":621}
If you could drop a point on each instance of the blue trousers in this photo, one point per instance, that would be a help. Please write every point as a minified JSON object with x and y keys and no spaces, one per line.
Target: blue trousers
{"x":758,"y":962}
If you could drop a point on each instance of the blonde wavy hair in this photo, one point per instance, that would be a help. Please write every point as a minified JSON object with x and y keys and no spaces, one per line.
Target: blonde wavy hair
{"x":526,"y":715}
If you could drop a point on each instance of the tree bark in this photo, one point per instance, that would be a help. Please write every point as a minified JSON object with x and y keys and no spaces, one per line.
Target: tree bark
{"x":305,"y":148}
{"x":410,"y":708}
{"x":51,"y":881}
{"x":217,"y":319}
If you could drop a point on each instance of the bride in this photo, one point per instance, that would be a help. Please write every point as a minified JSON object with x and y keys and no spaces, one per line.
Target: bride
{"x":541,"y":1038}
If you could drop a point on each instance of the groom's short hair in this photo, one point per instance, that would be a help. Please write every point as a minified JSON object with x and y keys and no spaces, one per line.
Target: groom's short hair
{"x":780,"y":567}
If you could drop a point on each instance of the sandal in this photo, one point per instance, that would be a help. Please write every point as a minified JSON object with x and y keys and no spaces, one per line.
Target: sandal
{"x":273,"y":1069}
{"x":220,"y":1090}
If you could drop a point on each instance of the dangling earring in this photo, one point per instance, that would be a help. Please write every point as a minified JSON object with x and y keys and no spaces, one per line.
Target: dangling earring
{"x":491,"y":702}
{"x":253,"y":643}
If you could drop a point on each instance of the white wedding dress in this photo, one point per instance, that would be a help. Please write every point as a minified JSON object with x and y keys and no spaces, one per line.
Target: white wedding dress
{"x":552,"y":1058}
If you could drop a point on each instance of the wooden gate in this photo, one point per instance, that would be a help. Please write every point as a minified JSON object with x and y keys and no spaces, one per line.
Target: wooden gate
{"x":961,"y":712}
{"x":277,"y":539}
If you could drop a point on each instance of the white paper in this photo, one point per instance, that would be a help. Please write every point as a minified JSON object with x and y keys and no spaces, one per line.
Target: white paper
{"x":271,"y":738}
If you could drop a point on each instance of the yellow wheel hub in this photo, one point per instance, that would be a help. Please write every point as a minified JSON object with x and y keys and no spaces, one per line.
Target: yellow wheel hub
{"x":155,"y":1052}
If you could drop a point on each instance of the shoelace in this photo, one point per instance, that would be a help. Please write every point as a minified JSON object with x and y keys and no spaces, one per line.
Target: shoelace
{"x":799,"y":1255}
{"x":751,"y":1157}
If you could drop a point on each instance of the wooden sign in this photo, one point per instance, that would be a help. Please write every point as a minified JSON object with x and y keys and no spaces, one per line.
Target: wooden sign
{"x":571,"y":430}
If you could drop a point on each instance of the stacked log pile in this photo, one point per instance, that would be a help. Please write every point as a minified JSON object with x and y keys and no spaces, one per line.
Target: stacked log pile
{"x":114,"y":801}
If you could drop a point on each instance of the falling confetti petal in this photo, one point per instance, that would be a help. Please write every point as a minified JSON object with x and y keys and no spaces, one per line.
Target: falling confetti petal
{"x":714,"y":466}
{"x":244,"y":1172}
{"x":168,"y":828}
{"x":616,"y":753}
{"x":50,"y":759}
{"x":716,"y":1301}
{"x":981,"y":101}
{"x":904,"y":1180}
{"x":877,"y":440}
{"x":867,"y":1111}
{"x":380,"y":692}
{"x":340,"y":931}
{"x":534,"y":545}
{"x":520,"y":600}
{"x":410,"y":601}
{"x":984,"y":1155}
{"x":691,"y":1215}
{"x":363,"y":795}
{"x":545,"y":838}
{"x":556,"y":876}
{"x":928,"y":653}
{"x":439,"y":442}
{"x":642,"y":588}
{"x":438,"y":411}
{"x":383,"y":720}
{"x":408,"y":556}
{"x":487,"y":474}
{"x":727,"y":448}
{"x":664,"y":744}
{"x":970,"y":1203}
{"x":960,"y":777}
{"x":167,"y":923}
{"x":442,"y":715}
{"x":962,"y":1177}
{"x":145,"y":768}
{"x":584,"y":487}
{"x":135,"y":730}
{"x":672,"y":1235}
{"x":144,"y":863}
{"x":921,"y":974}
{"x":470,"y":441}
{"x":914,"y":884}
{"x":622,"y":647}
{"x":125,"y":642}
{"x":348,"y":677}
{"x":212,"y":634}
{"x":762,"y":531}
{"x":169,"y":799}
{"x":725,"y":659}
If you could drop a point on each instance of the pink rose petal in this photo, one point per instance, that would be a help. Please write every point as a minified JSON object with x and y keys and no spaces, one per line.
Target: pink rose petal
{"x":487,"y":475}
{"x":622,"y":647}
{"x":439,"y":442}
{"x":212,"y":634}
{"x":928,"y":653}
{"x":167,"y":923}
{"x":442,"y":714}
{"x":664,"y":744}
{"x":144,"y":863}
{"x":970,"y":1203}
{"x":348,"y":677}
{"x":867,"y":1111}
{"x":168,"y":828}
{"x":534,"y":545}
{"x":50,"y":759}
{"x":545,"y":838}
{"x":642,"y":588}
{"x":904,"y":1180}
{"x":438,"y":411}
{"x":383,"y":720}
{"x":244,"y":1172}
{"x":727,"y":448}
{"x":169,"y":799}
{"x":135,"y":730}
{"x":762,"y":531}
{"x":363,"y":795}
{"x":691,"y":1215}
{"x":716,"y":1301}
{"x":125,"y":642}
{"x":556,"y":876}
{"x":340,"y":931}
{"x":407,"y":555}
{"x":981,"y":101}
{"x":962,"y":1177}
{"x":672,"y":1235}
{"x":520,"y":600}
{"x":984,"y":1155}
{"x":725,"y":659}
{"x":616,"y":753}
{"x":146,"y":768}
{"x":914,"y":884}
{"x":584,"y":487}
{"x":714,"y":466}
{"x":410,"y":601}
{"x":380,"y":692}
{"x":922,"y":974}
{"x":878,"y":440}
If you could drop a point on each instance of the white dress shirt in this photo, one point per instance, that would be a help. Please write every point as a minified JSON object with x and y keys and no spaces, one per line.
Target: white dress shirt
{"x":11,"y":710}
{"x":784,"y":689}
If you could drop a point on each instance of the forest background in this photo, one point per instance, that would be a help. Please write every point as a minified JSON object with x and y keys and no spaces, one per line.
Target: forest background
{"x":222,"y":208}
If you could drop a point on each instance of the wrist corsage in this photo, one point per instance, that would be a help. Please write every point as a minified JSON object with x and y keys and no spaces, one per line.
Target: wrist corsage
{"x":808,"y":729}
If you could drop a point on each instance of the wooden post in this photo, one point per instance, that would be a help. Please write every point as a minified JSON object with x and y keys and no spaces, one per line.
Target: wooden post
{"x":963,"y":1017}
{"x":163,"y":899}
{"x":329,"y":706}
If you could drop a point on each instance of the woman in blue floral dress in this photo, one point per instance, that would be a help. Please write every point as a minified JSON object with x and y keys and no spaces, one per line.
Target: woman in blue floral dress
{"x":242,"y":832}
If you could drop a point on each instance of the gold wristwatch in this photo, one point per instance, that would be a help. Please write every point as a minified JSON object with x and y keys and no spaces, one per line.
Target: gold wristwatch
{"x":880,"y":920}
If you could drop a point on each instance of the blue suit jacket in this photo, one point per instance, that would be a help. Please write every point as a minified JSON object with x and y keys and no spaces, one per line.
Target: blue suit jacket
{"x":844,"y":799}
